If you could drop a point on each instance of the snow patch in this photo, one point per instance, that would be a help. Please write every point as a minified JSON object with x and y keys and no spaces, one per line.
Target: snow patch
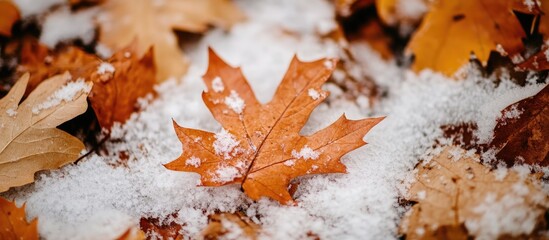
{"x":105,"y":67}
{"x":193,"y":161}
{"x":305,"y":153}
{"x":217,"y":85}
{"x":234,"y":102}
{"x":64,"y":94}
{"x":314,"y":94}
{"x":225,"y":144}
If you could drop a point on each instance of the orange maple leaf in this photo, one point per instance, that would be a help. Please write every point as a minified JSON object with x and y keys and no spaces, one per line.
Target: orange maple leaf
{"x":259,"y":146}
{"x":452,"y":30}
{"x":13,"y":223}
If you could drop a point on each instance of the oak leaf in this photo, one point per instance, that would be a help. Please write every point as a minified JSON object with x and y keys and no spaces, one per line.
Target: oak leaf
{"x":522,"y":135}
{"x":235,"y":225}
{"x":456,"y":197}
{"x":259,"y":146}
{"x":452,"y":30}
{"x":10,"y":15}
{"x":30,"y":141}
{"x":151,"y":23}
{"x":13,"y":223}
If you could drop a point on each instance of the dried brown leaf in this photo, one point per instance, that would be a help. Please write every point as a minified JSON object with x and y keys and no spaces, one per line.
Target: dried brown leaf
{"x":524,"y":138}
{"x":456,"y":197}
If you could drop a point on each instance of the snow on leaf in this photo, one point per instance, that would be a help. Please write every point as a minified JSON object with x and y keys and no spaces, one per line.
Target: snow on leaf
{"x":13,"y":223}
{"x":465,"y":198}
{"x":526,"y":136}
{"x":452,"y":30}
{"x":258,"y":143}
{"x":29,"y":140}
{"x":151,"y":23}
{"x":117,"y":88}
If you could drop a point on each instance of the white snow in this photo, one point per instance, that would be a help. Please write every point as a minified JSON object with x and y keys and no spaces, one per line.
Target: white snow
{"x":105,"y":67}
{"x":234,"y":102}
{"x":226,"y":174}
{"x":314,"y":94}
{"x":225,"y":144}
{"x":63,"y":25}
{"x":546,"y":53}
{"x":362,"y":204}
{"x":305,"y":153}
{"x":64,"y":94}
{"x":217,"y":85}
{"x":11,"y":112}
{"x":193,"y":161}
{"x":31,"y":7}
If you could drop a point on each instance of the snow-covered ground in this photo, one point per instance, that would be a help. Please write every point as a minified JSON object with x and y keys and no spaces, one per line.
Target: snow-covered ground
{"x":99,"y":199}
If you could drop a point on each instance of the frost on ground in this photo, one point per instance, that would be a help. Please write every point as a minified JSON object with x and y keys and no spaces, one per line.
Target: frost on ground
{"x":79,"y":201}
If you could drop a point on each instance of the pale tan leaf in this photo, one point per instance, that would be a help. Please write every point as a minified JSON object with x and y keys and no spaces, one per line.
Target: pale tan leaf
{"x":30,"y":141}
{"x":151,"y":23}
{"x":459,"y":197}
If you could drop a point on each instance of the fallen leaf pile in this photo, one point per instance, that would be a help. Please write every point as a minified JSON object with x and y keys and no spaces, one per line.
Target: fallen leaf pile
{"x":453,"y":192}
{"x":13,"y":223}
{"x":264,"y":155}
{"x":61,"y":103}
{"x":30,"y":140}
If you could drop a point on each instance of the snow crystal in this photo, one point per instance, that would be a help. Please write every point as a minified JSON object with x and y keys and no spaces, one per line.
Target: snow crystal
{"x":509,"y":215}
{"x":217,"y":85}
{"x":513,"y":112}
{"x":289,"y":163}
{"x":501,"y":50}
{"x":64,"y":94}
{"x":32,"y":7}
{"x":329,"y":64}
{"x":193,"y":161}
{"x":233,"y":230}
{"x":11,"y":112}
{"x":225,"y":174}
{"x":313,"y":94}
{"x":501,"y":172}
{"x":305,"y":153}
{"x":105,"y":67}
{"x":546,"y":53}
{"x":530,"y":4}
{"x":63,"y":25}
{"x":224,"y":144}
{"x":103,"y":51}
{"x":421,"y":195}
{"x":234,"y":102}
